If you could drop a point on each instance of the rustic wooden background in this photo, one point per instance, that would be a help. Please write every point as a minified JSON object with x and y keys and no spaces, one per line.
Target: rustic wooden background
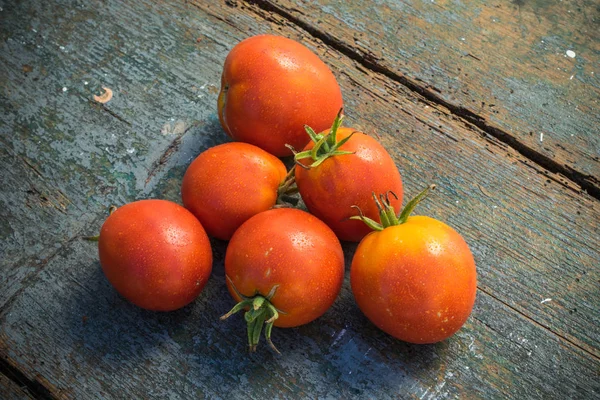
{"x":497,"y":102}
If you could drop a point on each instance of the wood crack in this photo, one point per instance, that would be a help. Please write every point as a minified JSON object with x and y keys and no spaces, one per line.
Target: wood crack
{"x":171,"y":149}
{"x":108,"y":111}
{"x":31,"y":386}
{"x":39,"y":266}
{"x":580,"y":347}
{"x":588,"y":183}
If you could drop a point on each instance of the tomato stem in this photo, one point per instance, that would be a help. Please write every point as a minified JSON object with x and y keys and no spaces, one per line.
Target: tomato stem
{"x":325,"y":146}
{"x":387,"y":214}
{"x":96,"y":238}
{"x":260,"y":311}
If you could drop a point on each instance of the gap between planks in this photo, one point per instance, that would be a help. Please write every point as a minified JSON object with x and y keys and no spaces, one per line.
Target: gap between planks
{"x":32,"y":387}
{"x":588,"y":183}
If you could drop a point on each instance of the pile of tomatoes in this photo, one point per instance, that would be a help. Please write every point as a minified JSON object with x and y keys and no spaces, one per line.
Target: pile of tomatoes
{"x":412,"y":276}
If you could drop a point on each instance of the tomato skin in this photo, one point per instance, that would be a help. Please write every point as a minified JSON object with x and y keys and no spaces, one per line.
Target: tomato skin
{"x":340,"y":182}
{"x":227,"y":184}
{"x":155,"y":253}
{"x":271,"y":87}
{"x":416,"y":281}
{"x":293,"y":249}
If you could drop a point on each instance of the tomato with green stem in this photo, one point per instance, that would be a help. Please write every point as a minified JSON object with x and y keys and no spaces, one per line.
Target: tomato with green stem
{"x":414,"y":277}
{"x":270,"y":87}
{"x":285,"y":267}
{"x":227,"y":184}
{"x":155,"y":253}
{"x":340,"y":168}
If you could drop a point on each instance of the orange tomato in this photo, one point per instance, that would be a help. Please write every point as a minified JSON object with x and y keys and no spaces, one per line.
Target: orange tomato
{"x":271,"y":87}
{"x":332,"y":188}
{"x":289,"y":259}
{"x":229,"y":183}
{"x":415,"y":280}
{"x":155,"y":253}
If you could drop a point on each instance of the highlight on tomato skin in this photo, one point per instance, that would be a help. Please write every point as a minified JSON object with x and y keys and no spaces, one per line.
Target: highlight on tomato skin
{"x":414,"y":277}
{"x":271,"y":86}
{"x":155,"y":253}
{"x":285,"y":267}
{"x":229,"y":183}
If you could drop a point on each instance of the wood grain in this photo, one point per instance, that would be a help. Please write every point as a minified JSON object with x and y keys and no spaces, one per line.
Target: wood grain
{"x":67,"y":158}
{"x":533,"y":233}
{"x":11,"y":391}
{"x":501,"y":65}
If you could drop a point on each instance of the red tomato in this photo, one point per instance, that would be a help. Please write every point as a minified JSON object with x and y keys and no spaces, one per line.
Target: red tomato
{"x":271,"y":87}
{"x":155,"y":253}
{"x":415,"y":280}
{"x":229,"y":183}
{"x":289,"y":258}
{"x":330,"y":189}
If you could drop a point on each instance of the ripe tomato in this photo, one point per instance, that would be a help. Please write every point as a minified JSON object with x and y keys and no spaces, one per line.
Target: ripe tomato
{"x":271,"y":87}
{"x":229,"y":183}
{"x":415,"y":280}
{"x":288,"y":261}
{"x":331,"y":188}
{"x":155,"y":253}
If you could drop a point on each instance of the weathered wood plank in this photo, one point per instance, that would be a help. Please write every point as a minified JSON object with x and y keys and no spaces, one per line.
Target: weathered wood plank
{"x":91,"y":341}
{"x":68,"y":326}
{"x":11,"y":391}
{"x":67,"y":158}
{"x":502,"y":65}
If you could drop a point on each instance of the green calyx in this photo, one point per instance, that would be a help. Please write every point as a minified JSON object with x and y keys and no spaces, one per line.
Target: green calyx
{"x":259,"y":312}
{"x":387,"y":214}
{"x":325,"y":146}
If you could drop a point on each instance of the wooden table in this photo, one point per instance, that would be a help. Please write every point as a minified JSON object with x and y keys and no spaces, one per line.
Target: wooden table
{"x":497,"y":102}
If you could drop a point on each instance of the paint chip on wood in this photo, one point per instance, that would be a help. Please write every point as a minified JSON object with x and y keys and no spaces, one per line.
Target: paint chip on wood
{"x":104,"y":97}
{"x":571,"y":53}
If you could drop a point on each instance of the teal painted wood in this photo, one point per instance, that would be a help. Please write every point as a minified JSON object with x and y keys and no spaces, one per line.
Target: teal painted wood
{"x":533,"y":234}
{"x":525,"y":71}
{"x":68,"y":158}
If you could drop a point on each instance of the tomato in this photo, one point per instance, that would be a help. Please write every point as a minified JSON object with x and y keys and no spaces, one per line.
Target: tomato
{"x":155,"y":253}
{"x":271,"y":87}
{"x":341,"y":181}
{"x":288,"y":261}
{"x":229,"y":183}
{"x":415,"y":280}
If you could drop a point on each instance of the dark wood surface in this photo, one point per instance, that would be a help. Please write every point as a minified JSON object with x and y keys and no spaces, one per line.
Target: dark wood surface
{"x":528,"y":208}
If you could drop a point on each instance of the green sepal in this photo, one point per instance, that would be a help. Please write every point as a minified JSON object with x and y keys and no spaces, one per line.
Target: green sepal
{"x":325,"y":146}
{"x":261,"y":312}
{"x":387,"y":213}
{"x":408,"y":209}
{"x":376,"y":226}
